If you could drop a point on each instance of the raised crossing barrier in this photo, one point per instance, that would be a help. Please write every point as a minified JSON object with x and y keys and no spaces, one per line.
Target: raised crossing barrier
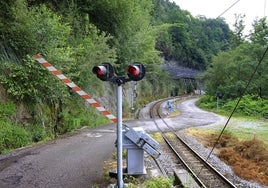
{"x":75,"y":88}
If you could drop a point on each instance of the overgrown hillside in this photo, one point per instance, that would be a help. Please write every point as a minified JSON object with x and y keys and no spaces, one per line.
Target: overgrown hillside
{"x":76,"y":35}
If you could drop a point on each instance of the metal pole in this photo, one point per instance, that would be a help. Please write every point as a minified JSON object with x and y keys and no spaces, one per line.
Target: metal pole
{"x":217,"y":103}
{"x":120,"y":182}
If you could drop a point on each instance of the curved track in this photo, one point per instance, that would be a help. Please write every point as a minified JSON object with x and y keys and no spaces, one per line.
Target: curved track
{"x":204,"y":174}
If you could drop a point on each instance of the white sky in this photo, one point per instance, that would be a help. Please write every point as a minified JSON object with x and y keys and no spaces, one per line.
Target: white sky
{"x":213,"y":8}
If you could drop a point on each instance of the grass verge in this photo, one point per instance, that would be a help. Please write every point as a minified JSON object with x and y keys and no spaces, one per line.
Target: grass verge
{"x":243,"y":147}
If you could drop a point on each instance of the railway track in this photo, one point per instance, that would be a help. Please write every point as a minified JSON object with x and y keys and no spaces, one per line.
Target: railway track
{"x":203,"y":174}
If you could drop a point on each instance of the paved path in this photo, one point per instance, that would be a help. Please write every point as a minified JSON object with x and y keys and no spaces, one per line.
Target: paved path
{"x":189,"y":116}
{"x":72,"y":162}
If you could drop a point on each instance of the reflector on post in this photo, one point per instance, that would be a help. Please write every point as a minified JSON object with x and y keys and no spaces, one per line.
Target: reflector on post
{"x":105,"y":72}
{"x":135,"y":72}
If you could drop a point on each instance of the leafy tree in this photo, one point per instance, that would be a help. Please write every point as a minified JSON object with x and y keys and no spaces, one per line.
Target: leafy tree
{"x":259,"y":40}
{"x":28,"y":82}
{"x":40,"y":30}
{"x":35,"y":30}
{"x":239,"y":27}
{"x":229,"y":72}
{"x":134,"y":39}
{"x":192,"y":41}
{"x":260,"y":32}
{"x":6,"y":17}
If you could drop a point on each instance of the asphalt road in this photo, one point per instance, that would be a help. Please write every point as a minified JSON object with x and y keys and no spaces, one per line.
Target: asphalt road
{"x":77,"y":161}
{"x":190,"y":116}
{"x":72,"y":162}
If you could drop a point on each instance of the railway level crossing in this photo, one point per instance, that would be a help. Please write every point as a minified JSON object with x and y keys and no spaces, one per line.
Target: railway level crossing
{"x":139,"y":139}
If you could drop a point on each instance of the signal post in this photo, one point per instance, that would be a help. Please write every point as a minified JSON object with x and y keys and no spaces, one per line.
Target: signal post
{"x":105,"y":72}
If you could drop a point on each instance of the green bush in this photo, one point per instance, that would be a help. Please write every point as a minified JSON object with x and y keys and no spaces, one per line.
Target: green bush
{"x":7,"y":109}
{"x":228,"y":105}
{"x":250,"y":105}
{"x":73,"y":119}
{"x":13,"y":136}
{"x":78,"y":115}
{"x":158,"y":182}
{"x":37,"y":132}
{"x":2,"y":146}
{"x":207,"y":102}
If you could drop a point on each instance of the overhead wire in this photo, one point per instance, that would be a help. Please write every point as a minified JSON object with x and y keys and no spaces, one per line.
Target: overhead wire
{"x":228,"y":8}
{"x":241,"y":96}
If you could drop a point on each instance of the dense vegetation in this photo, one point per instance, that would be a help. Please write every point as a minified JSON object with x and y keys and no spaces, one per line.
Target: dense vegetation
{"x":249,"y":106}
{"x":75,"y":35}
{"x":231,"y":70}
{"x":240,"y":72}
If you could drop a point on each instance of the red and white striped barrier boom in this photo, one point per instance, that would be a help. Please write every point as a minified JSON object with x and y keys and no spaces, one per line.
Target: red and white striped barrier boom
{"x":75,"y":88}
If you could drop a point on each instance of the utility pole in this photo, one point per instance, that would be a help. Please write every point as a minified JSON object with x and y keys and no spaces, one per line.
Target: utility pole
{"x":120,"y":182}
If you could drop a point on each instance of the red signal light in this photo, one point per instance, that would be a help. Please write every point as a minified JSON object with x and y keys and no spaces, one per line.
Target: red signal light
{"x":135,"y":72}
{"x":99,"y":70}
{"x":105,"y":72}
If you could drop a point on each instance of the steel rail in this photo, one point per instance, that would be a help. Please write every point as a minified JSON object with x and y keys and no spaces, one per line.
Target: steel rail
{"x":155,"y":113}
